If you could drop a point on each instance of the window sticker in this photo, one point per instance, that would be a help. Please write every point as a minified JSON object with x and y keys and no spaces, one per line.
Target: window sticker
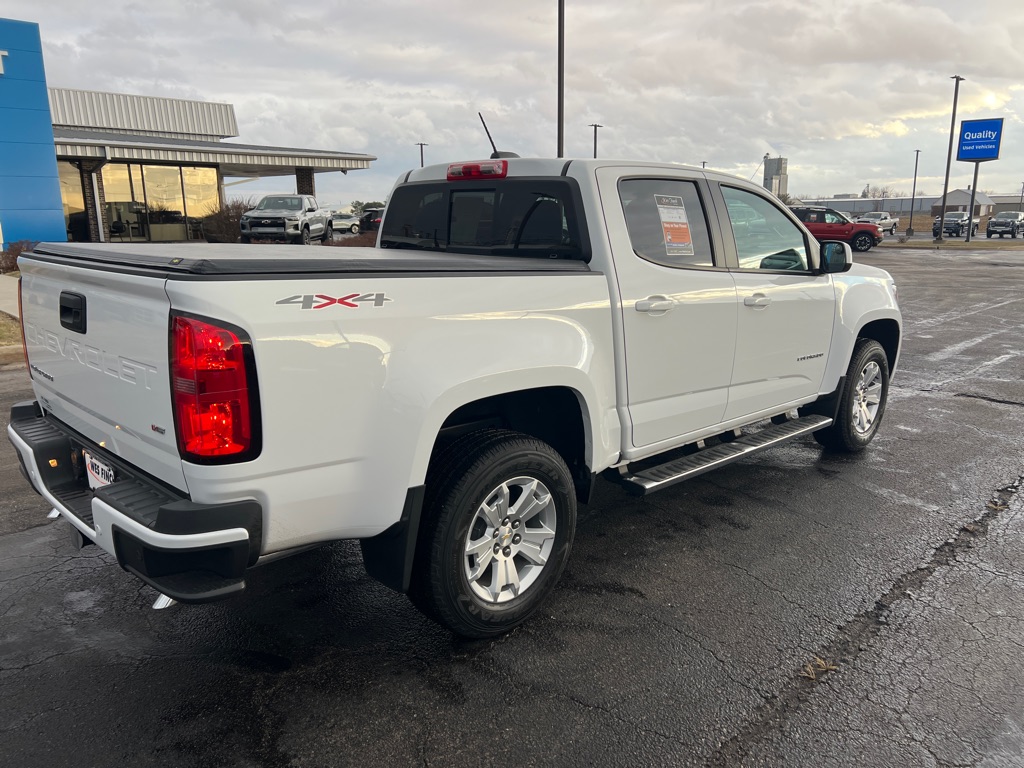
{"x":674,"y":225}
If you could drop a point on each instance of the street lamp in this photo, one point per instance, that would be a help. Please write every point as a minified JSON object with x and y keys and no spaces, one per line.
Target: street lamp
{"x":1022,"y":195}
{"x":561,"y":78}
{"x":949,"y":156}
{"x":913,"y":193}
{"x":595,"y":126}
{"x":421,"y":145}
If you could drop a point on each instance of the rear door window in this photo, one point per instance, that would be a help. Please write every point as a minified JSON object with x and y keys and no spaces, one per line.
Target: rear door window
{"x":666,"y":222}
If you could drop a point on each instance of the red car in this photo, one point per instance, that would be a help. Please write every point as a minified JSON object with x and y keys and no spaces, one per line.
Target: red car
{"x":829,"y":224}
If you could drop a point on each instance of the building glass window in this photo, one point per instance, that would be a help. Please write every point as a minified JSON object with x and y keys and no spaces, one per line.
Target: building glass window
{"x":76,"y":222}
{"x":202,"y":197}
{"x":125,"y":204}
{"x":165,"y":202}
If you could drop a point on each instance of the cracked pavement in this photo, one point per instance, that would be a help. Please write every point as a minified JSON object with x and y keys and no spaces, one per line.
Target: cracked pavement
{"x":682,"y":632}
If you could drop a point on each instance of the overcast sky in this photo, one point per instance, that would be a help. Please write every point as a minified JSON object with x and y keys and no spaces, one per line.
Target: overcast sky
{"x":847,"y":89}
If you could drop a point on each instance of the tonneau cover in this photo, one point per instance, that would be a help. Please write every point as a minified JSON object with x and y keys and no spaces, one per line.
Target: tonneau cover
{"x":231,"y":259}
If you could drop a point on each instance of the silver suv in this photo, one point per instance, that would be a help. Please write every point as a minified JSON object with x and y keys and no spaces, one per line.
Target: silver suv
{"x":291,"y":218}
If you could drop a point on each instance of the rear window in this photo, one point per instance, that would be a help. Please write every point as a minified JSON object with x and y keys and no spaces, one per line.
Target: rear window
{"x":511,"y":217}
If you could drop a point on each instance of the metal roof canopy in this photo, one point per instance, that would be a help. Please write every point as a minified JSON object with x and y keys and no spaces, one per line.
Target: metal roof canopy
{"x":232,"y":159}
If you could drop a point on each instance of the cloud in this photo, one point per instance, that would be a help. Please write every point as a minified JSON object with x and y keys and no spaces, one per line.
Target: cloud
{"x":846,"y":91}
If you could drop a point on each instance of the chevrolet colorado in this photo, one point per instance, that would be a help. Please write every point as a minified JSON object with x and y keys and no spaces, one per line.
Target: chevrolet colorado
{"x":449,"y":397}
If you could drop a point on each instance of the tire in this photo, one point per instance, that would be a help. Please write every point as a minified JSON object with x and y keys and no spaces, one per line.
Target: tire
{"x":328,"y":233}
{"x":862,"y":404}
{"x":893,"y":230}
{"x":459,"y":580}
{"x":354,"y":229}
{"x":244,"y":239}
{"x":1014,"y":234}
{"x":989,"y":235}
{"x":303,"y":239}
{"x":862,"y":241}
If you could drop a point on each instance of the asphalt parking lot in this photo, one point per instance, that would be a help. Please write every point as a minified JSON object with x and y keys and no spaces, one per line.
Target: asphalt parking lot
{"x":794,"y":609}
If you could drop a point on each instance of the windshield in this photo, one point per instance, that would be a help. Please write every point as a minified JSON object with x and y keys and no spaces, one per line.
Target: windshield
{"x":1007,"y":215}
{"x":280,"y":204}
{"x":871,"y":215}
{"x":513,"y":217}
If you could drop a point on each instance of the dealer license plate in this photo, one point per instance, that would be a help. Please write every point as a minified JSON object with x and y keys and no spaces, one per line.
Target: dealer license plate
{"x":100,"y":474}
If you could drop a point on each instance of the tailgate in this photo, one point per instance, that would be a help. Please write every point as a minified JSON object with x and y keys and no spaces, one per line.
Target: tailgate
{"x":98,"y":350}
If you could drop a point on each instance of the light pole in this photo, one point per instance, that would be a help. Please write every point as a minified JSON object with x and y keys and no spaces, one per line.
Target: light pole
{"x":421,"y":145}
{"x":595,"y":126}
{"x":949,"y":156}
{"x":561,"y":77}
{"x":1022,"y":195}
{"x":703,"y":163}
{"x":913,"y":193}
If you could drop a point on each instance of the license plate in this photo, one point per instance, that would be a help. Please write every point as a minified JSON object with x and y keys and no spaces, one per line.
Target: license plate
{"x":261,"y":230}
{"x":100,"y":474}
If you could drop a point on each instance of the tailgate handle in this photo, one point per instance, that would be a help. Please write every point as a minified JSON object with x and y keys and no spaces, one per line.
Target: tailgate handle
{"x":72,"y":311}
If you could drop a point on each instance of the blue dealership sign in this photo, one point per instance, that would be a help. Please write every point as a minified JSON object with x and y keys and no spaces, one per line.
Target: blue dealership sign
{"x":979,"y":140}
{"x":30,"y":199}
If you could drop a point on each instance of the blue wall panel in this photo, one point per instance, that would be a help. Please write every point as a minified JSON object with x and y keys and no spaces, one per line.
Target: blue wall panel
{"x":30,"y":205}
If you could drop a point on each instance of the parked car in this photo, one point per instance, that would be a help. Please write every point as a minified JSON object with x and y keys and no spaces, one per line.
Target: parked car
{"x":956,"y":223}
{"x":291,"y":218}
{"x":829,"y":224}
{"x":1005,"y":223}
{"x":346,"y":222}
{"x":370,"y":220}
{"x":882,"y":219}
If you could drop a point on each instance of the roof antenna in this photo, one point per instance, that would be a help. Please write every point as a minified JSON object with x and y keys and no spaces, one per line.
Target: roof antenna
{"x":496,"y":153}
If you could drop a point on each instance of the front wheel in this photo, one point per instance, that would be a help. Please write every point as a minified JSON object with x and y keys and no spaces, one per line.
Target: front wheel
{"x":499,"y":520}
{"x":862,"y":242}
{"x":862,"y":404}
{"x":303,"y":239}
{"x":989,"y":235}
{"x":328,"y":233}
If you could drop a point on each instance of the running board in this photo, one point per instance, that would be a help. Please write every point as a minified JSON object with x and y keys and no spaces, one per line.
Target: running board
{"x":655,"y":478}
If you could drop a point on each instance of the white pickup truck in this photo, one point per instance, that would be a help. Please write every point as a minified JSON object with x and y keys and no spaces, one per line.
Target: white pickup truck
{"x":449,"y":397}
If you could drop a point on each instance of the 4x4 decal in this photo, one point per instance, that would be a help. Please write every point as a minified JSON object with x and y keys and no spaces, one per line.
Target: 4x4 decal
{"x":321,"y":301}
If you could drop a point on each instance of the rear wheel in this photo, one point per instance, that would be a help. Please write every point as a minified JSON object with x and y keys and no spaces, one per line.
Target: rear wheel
{"x":862,"y":242}
{"x":354,"y":229}
{"x":862,"y":403}
{"x":499,"y":520}
{"x":893,"y":230}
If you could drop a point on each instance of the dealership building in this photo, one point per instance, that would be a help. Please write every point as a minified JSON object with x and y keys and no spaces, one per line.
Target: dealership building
{"x":90,"y":166}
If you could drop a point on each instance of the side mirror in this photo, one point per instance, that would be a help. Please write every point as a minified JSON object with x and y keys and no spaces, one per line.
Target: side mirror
{"x":835,"y":257}
{"x":311,"y":210}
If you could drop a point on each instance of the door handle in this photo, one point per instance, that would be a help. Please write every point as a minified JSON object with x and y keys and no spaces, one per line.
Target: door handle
{"x":655,"y":304}
{"x":757,"y":300}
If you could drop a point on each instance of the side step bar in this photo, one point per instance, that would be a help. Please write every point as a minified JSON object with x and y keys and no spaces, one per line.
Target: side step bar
{"x":662,"y":476}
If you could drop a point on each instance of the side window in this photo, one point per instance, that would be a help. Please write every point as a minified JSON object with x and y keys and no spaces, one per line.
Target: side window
{"x":831,"y":217}
{"x":765,"y":237}
{"x":666,"y":222}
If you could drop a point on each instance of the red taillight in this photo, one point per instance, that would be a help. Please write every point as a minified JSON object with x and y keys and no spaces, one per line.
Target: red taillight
{"x":213,"y":395}
{"x":484,"y":169}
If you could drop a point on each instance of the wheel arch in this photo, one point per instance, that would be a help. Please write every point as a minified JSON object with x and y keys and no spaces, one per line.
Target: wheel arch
{"x":557,"y":415}
{"x":887,"y":333}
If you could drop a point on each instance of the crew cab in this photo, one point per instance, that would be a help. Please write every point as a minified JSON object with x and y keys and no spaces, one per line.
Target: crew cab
{"x":956,"y":223}
{"x":883,"y":219}
{"x":1006,"y":223}
{"x":829,"y":224}
{"x":296,"y":219}
{"x":451,"y":396}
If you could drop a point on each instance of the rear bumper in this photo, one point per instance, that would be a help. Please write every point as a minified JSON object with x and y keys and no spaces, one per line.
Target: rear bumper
{"x":192,"y":552}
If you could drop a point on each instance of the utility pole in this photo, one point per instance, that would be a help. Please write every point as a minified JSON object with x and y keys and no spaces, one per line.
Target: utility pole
{"x":561,"y":78}
{"x":595,"y":126}
{"x":421,"y":145}
{"x":1022,"y":195}
{"x":949,"y":156}
{"x":913,"y":193}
